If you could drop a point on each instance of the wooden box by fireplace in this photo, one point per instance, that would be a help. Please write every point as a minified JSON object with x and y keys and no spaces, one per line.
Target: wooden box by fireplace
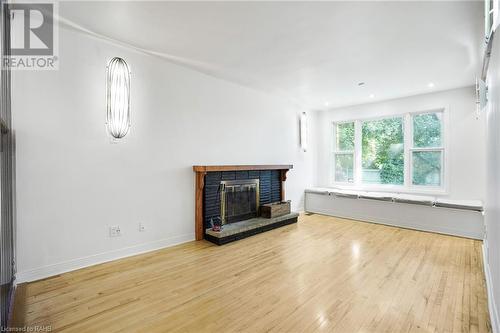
{"x":216,"y":183}
{"x":275,"y":209}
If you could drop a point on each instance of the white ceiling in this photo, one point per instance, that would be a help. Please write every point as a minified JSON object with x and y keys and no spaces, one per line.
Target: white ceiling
{"x":312,"y":52}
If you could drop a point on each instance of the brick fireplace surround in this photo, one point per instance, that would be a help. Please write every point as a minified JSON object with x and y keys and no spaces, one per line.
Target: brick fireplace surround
{"x":201,"y":172}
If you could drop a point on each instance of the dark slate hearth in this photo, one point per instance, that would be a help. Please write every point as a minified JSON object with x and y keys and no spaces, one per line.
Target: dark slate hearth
{"x":247,"y":228}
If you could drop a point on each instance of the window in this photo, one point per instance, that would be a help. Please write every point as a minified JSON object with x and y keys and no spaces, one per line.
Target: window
{"x":343,"y":155}
{"x":405,"y":151}
{"x":383,"y":151}
{"x":427,"y":151}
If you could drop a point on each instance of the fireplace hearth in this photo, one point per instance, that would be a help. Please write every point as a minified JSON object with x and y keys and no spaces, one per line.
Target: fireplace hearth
{"x":238,"y":230}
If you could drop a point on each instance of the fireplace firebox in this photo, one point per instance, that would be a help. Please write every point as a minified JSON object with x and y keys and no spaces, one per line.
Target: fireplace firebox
{"x":239,"y":200}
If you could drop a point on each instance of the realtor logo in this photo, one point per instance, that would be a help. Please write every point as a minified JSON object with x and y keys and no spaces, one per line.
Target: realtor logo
{"x":32,"y":36}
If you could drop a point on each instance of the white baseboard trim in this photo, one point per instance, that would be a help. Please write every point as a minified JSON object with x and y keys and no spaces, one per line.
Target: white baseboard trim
{"x":74,"y":264}
{"x":492,"y":308}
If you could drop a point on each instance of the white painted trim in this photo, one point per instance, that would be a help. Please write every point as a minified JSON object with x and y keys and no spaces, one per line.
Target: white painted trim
{"x":495,"y":328}
{"x":408,"y":144}
{"x":358,"y":148}
{"x":74,"y":264}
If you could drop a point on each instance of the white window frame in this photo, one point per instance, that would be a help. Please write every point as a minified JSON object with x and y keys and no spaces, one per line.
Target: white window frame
{"x":413,"y":149}
{"x":407,"y":186}
{"x":384,"y":187}
{"x":335,"y":152}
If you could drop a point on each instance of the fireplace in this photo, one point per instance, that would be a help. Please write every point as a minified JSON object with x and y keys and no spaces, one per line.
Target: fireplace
{"x":239,"y":200}
{"x":233,"y":195}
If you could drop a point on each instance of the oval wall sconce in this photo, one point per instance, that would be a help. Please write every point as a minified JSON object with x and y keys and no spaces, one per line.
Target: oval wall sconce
{"x":117,"y":98}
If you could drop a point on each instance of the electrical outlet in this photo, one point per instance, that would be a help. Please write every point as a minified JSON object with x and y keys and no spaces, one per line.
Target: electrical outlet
{"x":115,"y":231}
{"x":142,"y":227}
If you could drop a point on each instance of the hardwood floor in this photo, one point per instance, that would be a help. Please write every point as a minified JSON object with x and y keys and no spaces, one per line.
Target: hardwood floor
{"x":323,"y":274}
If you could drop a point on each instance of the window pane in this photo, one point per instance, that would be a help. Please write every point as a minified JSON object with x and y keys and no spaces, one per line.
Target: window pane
{"x":383,"y":151}
{"x":427,"y":168}
{"x":345,"y":137}
{"x":344,"y":168}
{"x":427,"y":130}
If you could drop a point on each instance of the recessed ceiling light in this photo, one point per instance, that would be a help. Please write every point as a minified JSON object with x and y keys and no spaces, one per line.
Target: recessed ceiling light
{"x":430,"y":85}
{"x":372,"y":95}
{"x":327,"y":103}
{"x":361,"y":84}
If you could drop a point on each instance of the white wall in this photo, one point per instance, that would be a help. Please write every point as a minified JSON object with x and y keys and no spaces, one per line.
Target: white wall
{"x":466,"y":152}
{"x":492,"y":204}
{"x":72,"y":184}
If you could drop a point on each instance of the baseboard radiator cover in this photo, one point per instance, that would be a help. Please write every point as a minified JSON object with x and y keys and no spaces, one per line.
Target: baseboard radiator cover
{"x":455,"y":222}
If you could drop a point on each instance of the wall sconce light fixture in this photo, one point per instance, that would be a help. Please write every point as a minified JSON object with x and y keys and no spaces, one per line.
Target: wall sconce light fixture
{"x":303,"y":131}
{"x":117,"y":98}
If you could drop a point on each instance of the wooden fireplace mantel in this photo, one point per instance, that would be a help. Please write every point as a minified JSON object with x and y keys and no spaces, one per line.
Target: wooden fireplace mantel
{"x":201,"y":171}
{"x":207,"y":168}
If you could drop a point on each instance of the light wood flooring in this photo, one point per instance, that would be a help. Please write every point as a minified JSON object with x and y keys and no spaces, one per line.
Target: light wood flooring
{"x":322,"y":274}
